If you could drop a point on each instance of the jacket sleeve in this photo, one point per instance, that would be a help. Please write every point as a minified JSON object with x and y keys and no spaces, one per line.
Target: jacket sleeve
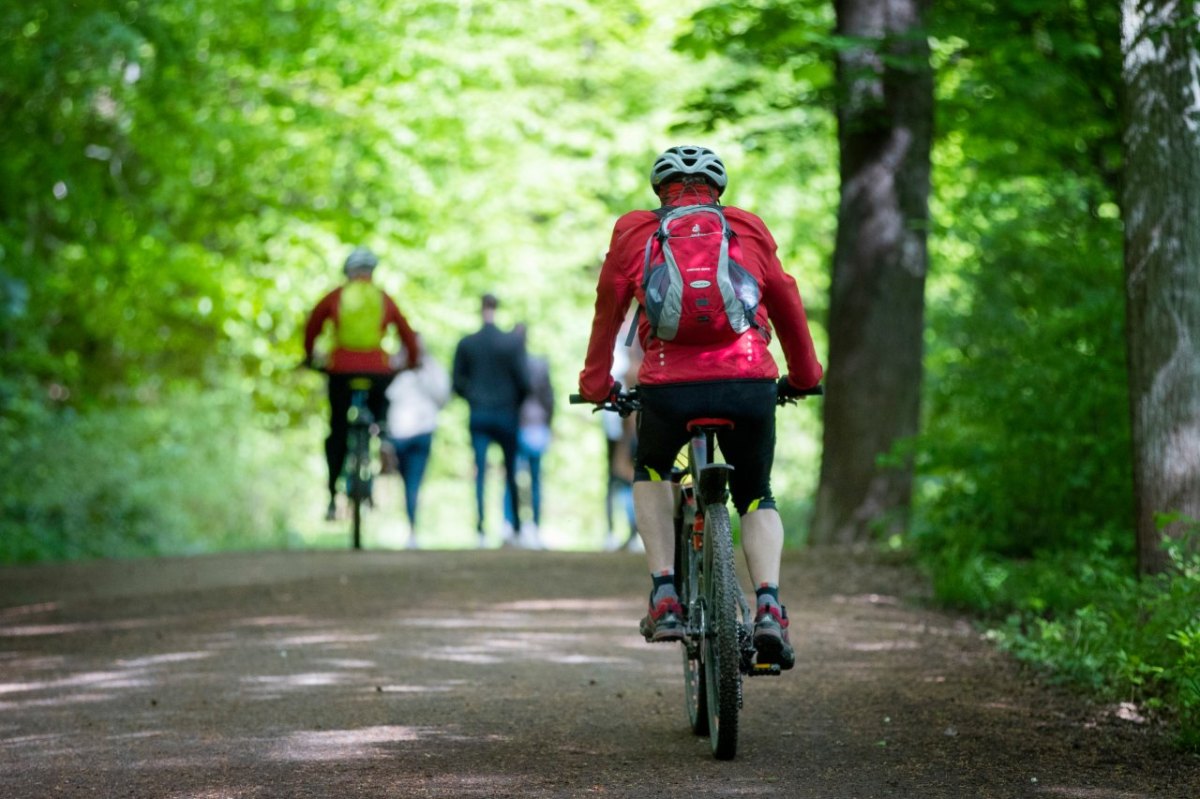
{"x":458,"y":380}
{"x":616,"y":288}
{"x":785,"y":309}
{"x":392,"y":316}
{"x":323,"y":312}
{"x":519,"y":366}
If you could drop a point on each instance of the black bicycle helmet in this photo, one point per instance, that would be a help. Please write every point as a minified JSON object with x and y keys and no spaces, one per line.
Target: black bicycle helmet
{"x":361,"y":260}
{"x":687,"y":160}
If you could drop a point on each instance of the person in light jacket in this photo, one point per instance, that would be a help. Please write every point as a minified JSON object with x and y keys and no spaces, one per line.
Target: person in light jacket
{"x":415,"y":397}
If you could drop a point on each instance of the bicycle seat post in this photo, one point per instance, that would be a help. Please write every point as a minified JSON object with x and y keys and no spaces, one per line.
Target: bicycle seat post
{"x":359,"y":411}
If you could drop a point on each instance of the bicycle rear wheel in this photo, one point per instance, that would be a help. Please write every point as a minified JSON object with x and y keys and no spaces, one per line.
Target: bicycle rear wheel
{"x":358,"y":478}
{"x":721,"y":655}
{"x":687,"y":570}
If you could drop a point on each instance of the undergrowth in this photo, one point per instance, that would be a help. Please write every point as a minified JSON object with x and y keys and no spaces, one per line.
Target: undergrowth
{"x":188,"y":474}
{"x":1087,"y":620}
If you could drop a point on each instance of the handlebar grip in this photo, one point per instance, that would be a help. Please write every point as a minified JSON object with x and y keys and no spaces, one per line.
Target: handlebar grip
{"x":786,"y":394}
{"x":577,"y":399}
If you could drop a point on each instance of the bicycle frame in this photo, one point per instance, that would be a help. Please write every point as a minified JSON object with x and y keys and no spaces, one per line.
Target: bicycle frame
{"x":358,"y":469}
{"x":718,"y":643}
{"x":718,"y":646}
{"x":709,"y":485}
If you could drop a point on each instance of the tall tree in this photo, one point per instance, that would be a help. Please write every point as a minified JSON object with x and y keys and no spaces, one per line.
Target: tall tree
{"x":1162,"y":255}
{"x":876,"y":309}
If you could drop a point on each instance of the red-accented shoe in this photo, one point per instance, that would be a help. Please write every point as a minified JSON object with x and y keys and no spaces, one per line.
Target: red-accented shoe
{"x":664,"y":622}
{"x":771,"y":637}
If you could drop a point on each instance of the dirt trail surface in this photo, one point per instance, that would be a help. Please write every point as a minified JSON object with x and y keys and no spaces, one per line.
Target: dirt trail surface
{"x":513,"y":673}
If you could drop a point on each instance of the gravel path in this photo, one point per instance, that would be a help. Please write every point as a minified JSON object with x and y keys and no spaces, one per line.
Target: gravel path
{"x":511,"y":673}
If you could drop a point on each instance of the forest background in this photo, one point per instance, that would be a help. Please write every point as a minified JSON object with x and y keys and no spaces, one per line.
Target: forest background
{"x":184,"y":178}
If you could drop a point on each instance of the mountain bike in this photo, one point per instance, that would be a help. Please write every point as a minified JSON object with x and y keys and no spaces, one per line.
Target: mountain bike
{"x":358,"y":471}
{"x":718,"y":645}
{"x":362,"y":451}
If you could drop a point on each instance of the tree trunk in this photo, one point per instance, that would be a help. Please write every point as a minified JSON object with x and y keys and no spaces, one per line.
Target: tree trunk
{"x":876,"y":324}
{"x":1162,"y":267}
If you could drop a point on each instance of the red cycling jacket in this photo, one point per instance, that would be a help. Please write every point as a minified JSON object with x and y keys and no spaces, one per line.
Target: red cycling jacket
{"x":348,"y":361}
{"x":747,"y":357}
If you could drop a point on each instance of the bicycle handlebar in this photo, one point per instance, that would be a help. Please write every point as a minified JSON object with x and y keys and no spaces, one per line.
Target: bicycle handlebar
{"x":787,"y":395}
{"x":392,"y":372}
{"x":623,"y":402}
{"x":626,"y":402}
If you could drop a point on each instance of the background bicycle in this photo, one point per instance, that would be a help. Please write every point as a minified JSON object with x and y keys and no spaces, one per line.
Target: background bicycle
{"x":363,"y":446}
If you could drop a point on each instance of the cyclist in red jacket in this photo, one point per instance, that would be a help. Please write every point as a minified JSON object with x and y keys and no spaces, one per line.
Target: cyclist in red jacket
{"x":679,"y":381}
{"x":360,"y":313}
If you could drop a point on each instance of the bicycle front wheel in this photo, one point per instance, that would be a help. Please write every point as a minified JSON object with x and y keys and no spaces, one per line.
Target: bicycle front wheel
{"x":721,"y":656}
{"x":358,"y":478}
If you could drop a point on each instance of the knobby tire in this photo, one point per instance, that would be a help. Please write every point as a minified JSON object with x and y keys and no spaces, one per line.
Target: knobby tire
{"x":721,"y":655}
{"x":357,"y":477}
{"x":687,"y":567}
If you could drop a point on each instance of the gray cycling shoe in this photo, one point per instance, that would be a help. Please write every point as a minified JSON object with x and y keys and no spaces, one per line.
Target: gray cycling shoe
{"x":664,"y":622}
{"x":771,"y":637}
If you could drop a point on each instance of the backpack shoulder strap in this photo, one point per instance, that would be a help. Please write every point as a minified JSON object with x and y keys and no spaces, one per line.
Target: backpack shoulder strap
{"x":633,"y":326}
{"x":662,"y":213}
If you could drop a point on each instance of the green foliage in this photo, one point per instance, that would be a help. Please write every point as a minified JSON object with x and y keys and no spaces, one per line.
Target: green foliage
{"x":1025,"y":505}
{"x":1026,"y":440}
{"x":1125,"y":639}
{"x":188,"y":476}
{"x":1031,"y":88}
{"x":183,"y":180}
{"x":1025,"y":446}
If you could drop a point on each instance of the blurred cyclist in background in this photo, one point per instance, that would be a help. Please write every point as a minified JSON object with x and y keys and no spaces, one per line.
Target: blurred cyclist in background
{"x":359,"y":314}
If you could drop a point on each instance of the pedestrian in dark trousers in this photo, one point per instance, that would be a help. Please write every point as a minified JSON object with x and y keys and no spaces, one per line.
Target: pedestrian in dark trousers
{"x":490,"y":372}
{"x":533,"y":439}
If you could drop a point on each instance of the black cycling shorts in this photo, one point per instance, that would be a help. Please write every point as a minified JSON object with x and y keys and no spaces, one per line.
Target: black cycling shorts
{"x":749,"y":447}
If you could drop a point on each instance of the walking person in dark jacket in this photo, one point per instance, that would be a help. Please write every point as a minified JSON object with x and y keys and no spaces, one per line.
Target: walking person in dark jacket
{"x":491,"y":374}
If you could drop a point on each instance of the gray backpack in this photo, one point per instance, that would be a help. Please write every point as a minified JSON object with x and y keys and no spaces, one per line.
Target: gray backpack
{"x":694,"y":290}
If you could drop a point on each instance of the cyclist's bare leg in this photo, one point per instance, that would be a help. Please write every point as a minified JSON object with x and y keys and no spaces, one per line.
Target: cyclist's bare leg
{"x":762,"y":541}
{"x":654,"y":506}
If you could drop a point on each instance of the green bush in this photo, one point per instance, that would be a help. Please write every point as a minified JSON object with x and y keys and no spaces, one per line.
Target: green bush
{"x":1126,"y":639}
{"x":183,"y":475}
{"x":1024,"y":504}
{"x":1025,"y":446}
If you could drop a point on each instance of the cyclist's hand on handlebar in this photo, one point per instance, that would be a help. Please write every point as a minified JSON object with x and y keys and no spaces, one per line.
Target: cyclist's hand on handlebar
{"x":786,"y":392}
{"x":616,"y":400}
{"x":591,"y":399}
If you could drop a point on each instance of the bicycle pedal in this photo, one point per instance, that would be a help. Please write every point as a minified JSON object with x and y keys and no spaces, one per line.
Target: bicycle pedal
{"x":765,"y":670}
